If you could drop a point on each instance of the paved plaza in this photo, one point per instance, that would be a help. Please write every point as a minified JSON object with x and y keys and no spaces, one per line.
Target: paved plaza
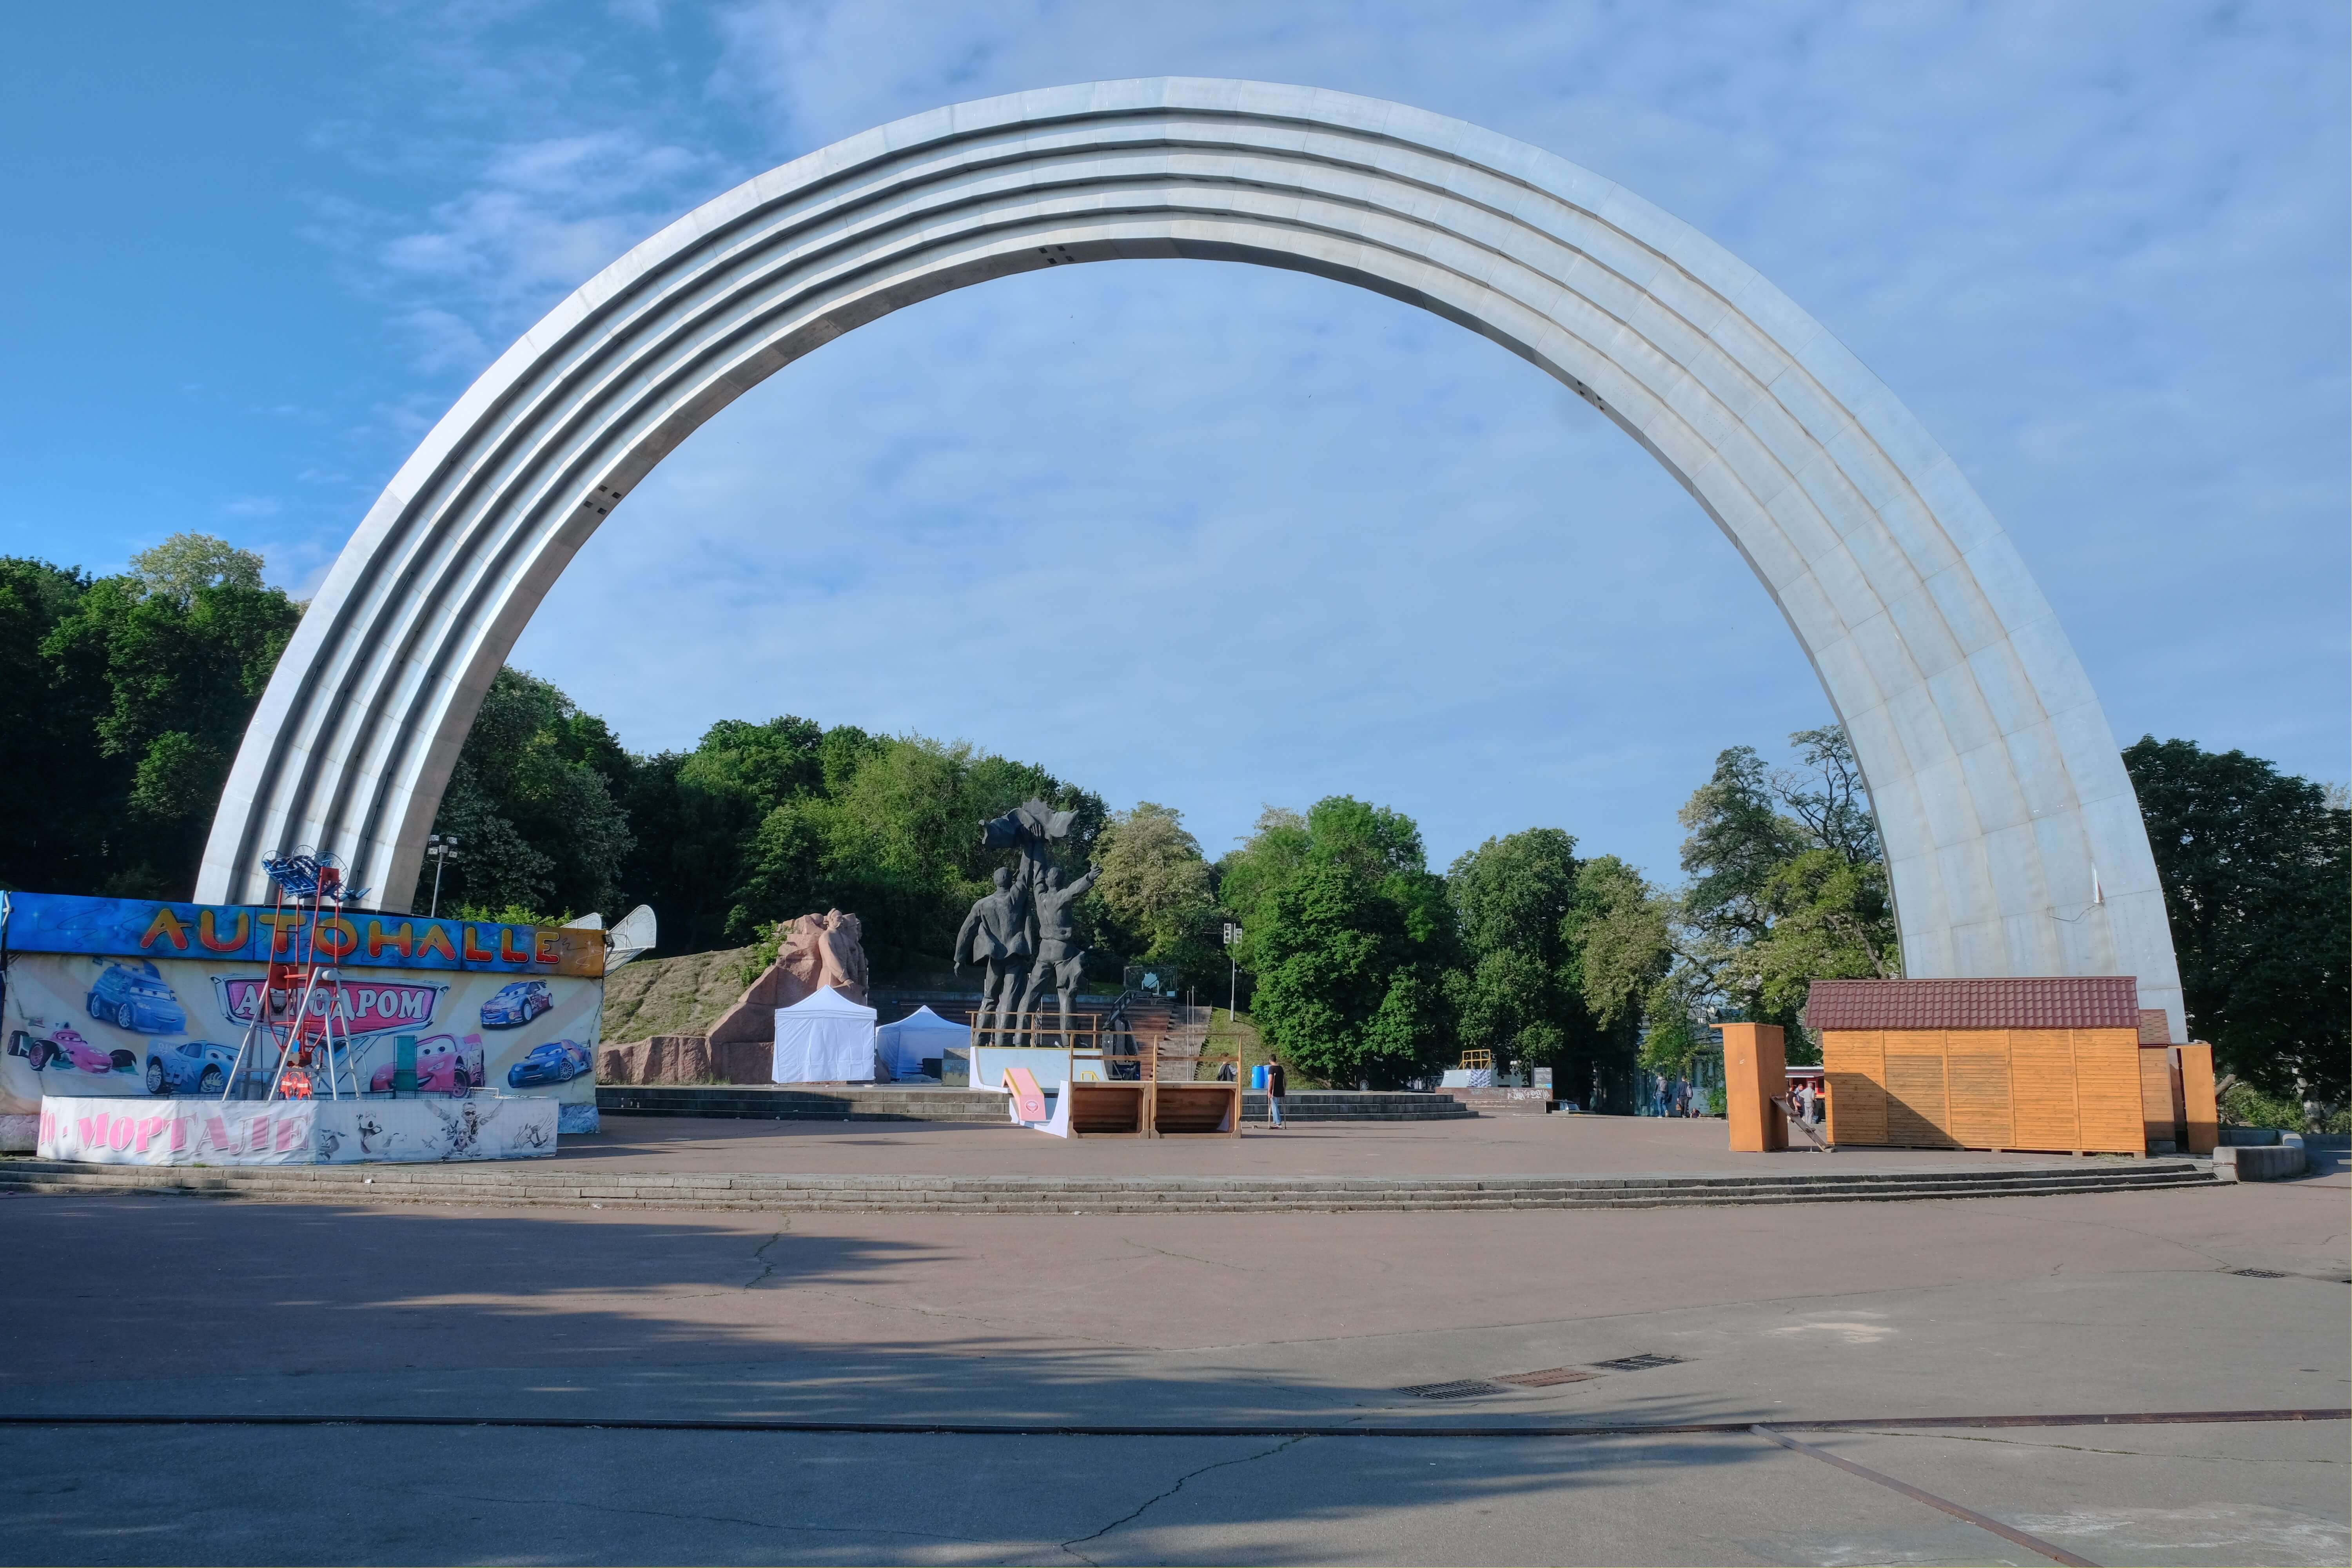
{"x":1268,"y":1323}
{"x":1528,"y":1145}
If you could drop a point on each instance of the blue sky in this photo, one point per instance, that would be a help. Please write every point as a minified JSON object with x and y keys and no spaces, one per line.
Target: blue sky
{"x":1212,"y":535}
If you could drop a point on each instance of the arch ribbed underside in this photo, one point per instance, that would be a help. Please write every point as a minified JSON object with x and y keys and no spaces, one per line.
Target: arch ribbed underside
{"x":2012,"y":833}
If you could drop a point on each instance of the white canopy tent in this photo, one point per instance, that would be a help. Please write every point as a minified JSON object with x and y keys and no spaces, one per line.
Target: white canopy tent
{"x":825,"y":1038}
{"x":920,"y":1033}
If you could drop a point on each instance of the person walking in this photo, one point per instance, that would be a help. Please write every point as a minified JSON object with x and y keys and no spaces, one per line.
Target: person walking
{"x":1277,"y":1084}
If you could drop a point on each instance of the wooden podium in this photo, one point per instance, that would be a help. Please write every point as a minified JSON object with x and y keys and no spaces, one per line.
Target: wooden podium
{"x":1755,"y":1072}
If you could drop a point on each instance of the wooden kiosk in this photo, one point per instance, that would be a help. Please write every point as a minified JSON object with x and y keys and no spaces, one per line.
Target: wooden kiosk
{"x":2062,"y":1064}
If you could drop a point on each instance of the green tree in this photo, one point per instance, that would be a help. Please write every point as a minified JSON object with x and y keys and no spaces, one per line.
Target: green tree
{"x":177,"y":568}
{"x":1155,"y":884}
{"x":1788,"y":885}
{"x":1263,"y":865}
{"x":532,"y":804}
{"x":1618,"y":933}
{"x":1351,"y":944}
{"x":1512,"y":898}
{"x":2256,"y":866}
{"x":885,"y":827}
{"x":133,"y":692}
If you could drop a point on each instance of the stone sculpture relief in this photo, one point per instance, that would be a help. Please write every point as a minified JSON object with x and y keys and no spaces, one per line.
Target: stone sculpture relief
{"x":812,"y":953}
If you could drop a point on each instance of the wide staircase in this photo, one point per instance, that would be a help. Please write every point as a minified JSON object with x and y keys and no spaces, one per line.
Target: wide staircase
{"x":523,"y":1185}
{"x":760,"y":1102}
{"x":1358,"y":1105}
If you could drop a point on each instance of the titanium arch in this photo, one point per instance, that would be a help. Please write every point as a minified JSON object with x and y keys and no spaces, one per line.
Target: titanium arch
{"x":2013,"y":839}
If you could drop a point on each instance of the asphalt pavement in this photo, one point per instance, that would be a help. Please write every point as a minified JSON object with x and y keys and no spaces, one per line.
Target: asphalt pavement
{"x":2227,"y":1299}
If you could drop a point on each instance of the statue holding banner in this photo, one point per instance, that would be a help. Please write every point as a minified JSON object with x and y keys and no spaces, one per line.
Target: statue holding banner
{"x":1060,"y":961}
{"x":996,"y":936}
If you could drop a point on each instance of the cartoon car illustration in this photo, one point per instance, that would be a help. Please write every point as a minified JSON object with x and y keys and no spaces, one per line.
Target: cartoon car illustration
{"x":193,"y":1067}
{"x":443,"y":1067}
{"x":558,"y":1061}
{"x":132,"y":995}
{"x":64,"y":1044}
{"x":516,"y":1004}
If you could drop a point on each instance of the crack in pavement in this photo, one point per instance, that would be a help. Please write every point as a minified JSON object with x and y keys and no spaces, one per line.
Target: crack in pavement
{"x":767,"y":1263}
{"x":1211,"y":1262}
{"x":2213,"y":1259}
{"x":1071,"y":1545}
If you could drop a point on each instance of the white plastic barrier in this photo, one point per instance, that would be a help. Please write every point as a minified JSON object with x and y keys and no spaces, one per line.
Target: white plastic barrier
{"x":1047,"y":1067}
{"x":119,"y":1132}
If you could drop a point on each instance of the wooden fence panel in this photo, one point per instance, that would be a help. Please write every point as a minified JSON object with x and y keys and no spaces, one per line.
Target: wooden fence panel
{"x":1976,"y":1073}
{"x":1853,"y":1062}
{"x":2107,"y":1092}
{"x":2041,"y":1090}
{"x":1917,"y":1104}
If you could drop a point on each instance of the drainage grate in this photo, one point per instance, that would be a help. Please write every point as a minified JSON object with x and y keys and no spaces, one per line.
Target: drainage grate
{"x":1637,"y":1362}
{"x":2257,"y":1273}
{"x":1549,"y":1376}
{"x":1462,"y":1388}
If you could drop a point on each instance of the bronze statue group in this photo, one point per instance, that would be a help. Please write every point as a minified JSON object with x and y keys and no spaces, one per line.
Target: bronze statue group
{"x":1028,"y":921}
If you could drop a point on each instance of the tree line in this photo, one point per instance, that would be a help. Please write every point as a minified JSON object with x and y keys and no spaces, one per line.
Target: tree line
{"x":126,"y":696}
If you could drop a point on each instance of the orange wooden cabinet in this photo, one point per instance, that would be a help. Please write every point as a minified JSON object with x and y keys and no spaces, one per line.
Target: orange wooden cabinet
{"x":2197,"y":1097}
{"x":1755,"y":1069}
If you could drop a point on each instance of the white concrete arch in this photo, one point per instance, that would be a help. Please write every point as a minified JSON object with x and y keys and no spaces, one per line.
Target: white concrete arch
{"x":2013,"y":835}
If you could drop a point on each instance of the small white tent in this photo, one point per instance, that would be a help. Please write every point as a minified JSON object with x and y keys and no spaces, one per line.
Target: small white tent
{"x":825,"y":1038}
{"x":920,"y":1033}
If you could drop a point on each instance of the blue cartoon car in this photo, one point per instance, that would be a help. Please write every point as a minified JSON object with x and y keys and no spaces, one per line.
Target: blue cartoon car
{"x":194,"y":1067}
{"x":558,"y":1061}
{"x":132,"y":995}
{"x":516,"y":1004}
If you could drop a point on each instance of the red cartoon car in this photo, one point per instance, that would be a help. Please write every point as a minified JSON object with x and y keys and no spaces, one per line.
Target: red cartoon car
{"x":444,"y":1066}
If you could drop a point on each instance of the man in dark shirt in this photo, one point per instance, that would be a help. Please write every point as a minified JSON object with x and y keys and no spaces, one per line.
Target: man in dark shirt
{"x":1277,"y":1084}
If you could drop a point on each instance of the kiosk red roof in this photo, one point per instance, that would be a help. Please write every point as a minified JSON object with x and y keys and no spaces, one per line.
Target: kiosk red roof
{"x":2023,"y":1002}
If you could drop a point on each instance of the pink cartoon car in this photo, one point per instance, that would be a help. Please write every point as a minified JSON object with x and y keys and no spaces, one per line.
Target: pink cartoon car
{"x":66,"y":1047}
{"x":444,"y":1066}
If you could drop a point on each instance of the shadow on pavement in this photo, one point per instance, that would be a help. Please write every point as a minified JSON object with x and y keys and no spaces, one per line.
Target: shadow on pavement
{"x":191,"y":1307}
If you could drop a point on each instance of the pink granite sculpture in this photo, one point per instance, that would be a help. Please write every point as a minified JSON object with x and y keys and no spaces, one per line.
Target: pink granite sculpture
{"x":813,"y":951}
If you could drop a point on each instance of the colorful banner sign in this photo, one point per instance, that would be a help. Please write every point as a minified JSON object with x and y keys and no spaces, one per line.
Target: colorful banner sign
{"x":156,"y":1029}
{"x":60,"y":922}
{"x":365,"y":1008}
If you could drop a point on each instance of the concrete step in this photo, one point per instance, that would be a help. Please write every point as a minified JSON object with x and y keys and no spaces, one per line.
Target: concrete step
{"x":890,"y":1103}
{"x":759,"y":1102}
{"x":508,"y":1185}
{"x":1356,"y":1105}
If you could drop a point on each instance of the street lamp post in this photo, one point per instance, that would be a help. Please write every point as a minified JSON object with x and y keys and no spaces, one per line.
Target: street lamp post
{"x":1233,"y":972}
{"x":441,"y":851}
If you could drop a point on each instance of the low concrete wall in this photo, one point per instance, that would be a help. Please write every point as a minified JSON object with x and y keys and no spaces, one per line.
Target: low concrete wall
{"x":2261,"y":1162}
